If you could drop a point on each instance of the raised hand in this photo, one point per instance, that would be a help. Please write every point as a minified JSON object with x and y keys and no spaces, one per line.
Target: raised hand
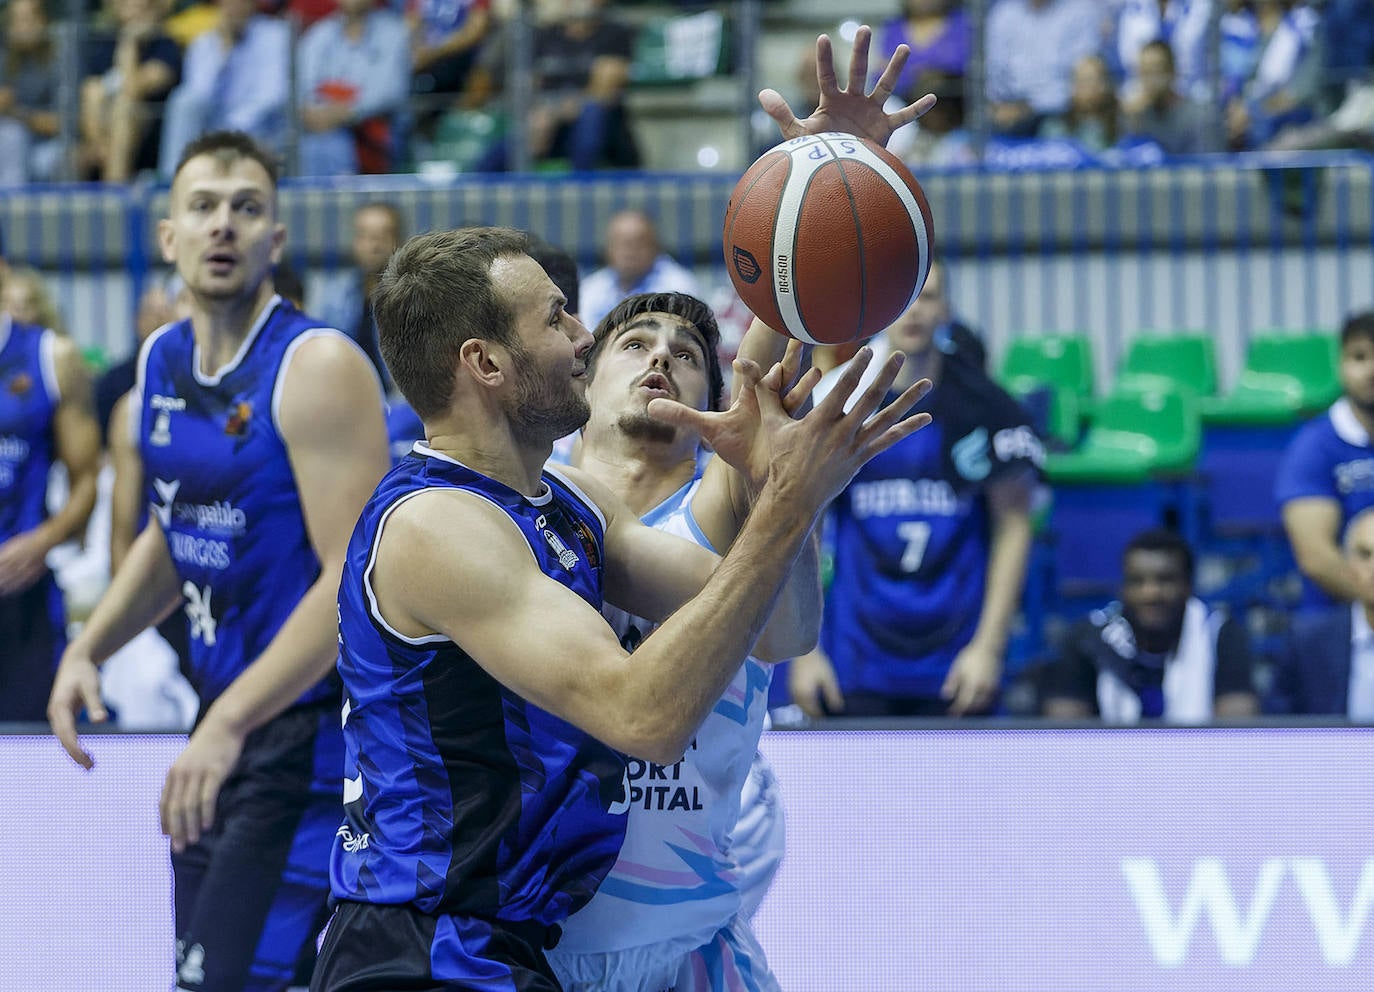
{"x":851,"y":109}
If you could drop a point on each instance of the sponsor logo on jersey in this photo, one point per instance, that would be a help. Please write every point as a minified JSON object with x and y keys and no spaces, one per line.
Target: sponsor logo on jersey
{"x":237,"y":424}
{"x":220,"y":517}
{"x":161,"y":434}
{"x":1355,"y":476}
{"x":166,"y":494}
{"x":19,"y":383}
{"x":903,"y":497}
{"x":353,"y":843}
{"x":970,"y":455}
{"x":590,"y":549}
{"x":13,"y":449}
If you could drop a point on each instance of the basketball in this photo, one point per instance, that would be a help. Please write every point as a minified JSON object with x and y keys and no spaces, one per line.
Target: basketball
{"x":828,"y":238}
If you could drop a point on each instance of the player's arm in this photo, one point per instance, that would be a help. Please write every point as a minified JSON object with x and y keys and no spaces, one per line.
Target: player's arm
{"x":126,"y":495}
{"x":332,"y":423}
{"x":1313,"y":524}
{"x":977,"y":671}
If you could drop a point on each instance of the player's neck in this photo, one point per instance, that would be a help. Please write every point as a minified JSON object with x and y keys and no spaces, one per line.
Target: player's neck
{"x":493,"y":454}
{"x":220,"y":326}
{"x":642,"y":474}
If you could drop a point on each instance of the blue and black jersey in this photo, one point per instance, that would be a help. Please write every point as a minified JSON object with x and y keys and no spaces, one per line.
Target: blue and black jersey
{"x":28,"y":399}
{"x":463,"y":800}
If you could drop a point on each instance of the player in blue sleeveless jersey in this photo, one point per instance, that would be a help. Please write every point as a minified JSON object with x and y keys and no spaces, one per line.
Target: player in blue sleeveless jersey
{"x":260,"y":435}
{"x":1326,"y":476}
{"x":487,"y":702}
{"x":930,"y":546}
{"x":45,"y":417}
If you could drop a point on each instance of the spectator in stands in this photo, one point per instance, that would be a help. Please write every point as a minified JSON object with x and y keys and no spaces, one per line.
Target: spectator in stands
{"x":1092,"y":117}
{"x":1158,"y":111}
{"x":1182,"y":25}
{"x":635,"y":263}
{"x":1327,"y":668}
{"x":234,"y":77}
{"x":352,"y":81}
{"x":1327,"y":473}
{"x":581,"y":69}
{"x":129,"y":73}
{"x":25,"y":296}
{"x":29,"y":123}
{"x":1239,"y":47}
{"x":1285,"y":85}
{"x":344,"y":300}
{"x":939,"y":36}
{"x":446,"y":37}
{"x":930,"y":543}
{"x":939,"y":138}
{"x":1347,"y":45}
{"x":1027,"y":82}
{"x":1157,"y":653}
{"x":45,"y":417}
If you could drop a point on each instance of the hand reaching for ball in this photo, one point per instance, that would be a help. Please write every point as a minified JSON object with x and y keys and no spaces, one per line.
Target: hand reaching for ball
{"x":851,"y":110}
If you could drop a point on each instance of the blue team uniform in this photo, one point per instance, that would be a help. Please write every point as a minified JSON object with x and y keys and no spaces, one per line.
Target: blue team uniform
{"x":911,"y":538}
{"x":475,"y":821}
{"x":252,"y":895}
{"x":1332,"y":457}
{"x":31,"y":621}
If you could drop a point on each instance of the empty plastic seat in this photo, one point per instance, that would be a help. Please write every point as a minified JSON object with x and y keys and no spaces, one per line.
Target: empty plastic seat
{"x":1187,"y":359}
{"x":1055,"y":359}
{"x":1287,"y":376}
{"x":1147,"y":427}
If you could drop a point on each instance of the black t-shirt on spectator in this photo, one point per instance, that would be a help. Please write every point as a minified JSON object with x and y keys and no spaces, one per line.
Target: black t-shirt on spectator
{"x":100,"y":54}
{"x":564,"y":64}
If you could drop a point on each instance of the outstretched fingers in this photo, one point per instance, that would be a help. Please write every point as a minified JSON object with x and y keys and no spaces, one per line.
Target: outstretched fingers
{"x":825,"y":67}
{"x":858,"y":60}
{"x":891,"y":424}
{"x":911,"y":111}
{"x":887,"y":82}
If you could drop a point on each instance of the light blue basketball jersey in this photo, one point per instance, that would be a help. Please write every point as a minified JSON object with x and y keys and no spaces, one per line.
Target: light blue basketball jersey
{"x":676,"y":882}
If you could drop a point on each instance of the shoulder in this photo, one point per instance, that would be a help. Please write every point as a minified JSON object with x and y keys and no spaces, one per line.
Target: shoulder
{"x":598,"y":497}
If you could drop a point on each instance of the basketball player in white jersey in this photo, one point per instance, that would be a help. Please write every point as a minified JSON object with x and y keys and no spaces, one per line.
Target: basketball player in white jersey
{"x":673,"y":913}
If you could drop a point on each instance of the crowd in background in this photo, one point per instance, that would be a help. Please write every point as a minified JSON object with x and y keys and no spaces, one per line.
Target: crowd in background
{"x":345,"y":87}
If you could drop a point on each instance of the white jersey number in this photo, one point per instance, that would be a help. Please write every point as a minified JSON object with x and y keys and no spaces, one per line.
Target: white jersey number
{"x":916,"y":534}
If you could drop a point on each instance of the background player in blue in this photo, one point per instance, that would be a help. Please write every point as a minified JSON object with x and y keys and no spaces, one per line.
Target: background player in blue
{"x":45,"y":417}
{"x":674,"y":910}
{"x":930,"y":546}
{"x":260,"y":436}
{"x":485,"y":696}
{"x":1327,"y":474}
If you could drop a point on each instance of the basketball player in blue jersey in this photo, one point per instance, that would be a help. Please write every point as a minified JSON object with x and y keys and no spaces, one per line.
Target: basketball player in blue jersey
{"x":930,"y":546}
{"x":260,"y":435}
{"x":46,"y":417}
{"x":487,"y":703}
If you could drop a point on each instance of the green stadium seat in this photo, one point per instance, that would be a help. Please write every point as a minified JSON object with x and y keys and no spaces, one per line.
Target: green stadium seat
{"x":463,"y":137}
{"x":1147,"y":427}
{"x":1287,"y":376}
{"x":673,"y":50}
{"x":1053,"y":359}
{"x":1189,"y":359}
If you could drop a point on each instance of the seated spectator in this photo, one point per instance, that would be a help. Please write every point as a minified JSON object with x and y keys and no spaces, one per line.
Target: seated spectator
{"x":1347,"y":45}
{"x":344,"y":299}
{"x":352,"y":81}
{"x":446,"y":37}
{"x":1239,"y":47}
{"x":635,"y":263}
{"x":1327,"y":668}
{"x":130,"y":71}
{"x":939,"y":36}
{"x":25,"y":296}
{"x":29,"y":123}
{"x":1181,"y":24}
{"x":1159,"y":112}
{"x":234,"y":77}
{"x":581,"y":68}
{"x":1093,"y":114}
{"x":1285,"y":85}
{"x":1327,"y":473}
{"x":1027,"y":82}
{"x":939,"y":139}
{"x":1157,"y":654}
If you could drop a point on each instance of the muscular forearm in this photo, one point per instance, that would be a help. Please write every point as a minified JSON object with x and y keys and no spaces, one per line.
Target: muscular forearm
{"x":795,"y":623}
{"x":70,"y":521}
{"x":303,"y":652}
{"x":680,"y":670}
{"x":143,"y":591}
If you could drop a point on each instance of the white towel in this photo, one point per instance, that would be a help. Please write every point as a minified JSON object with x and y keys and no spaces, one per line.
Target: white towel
{"x":1189,"y":675}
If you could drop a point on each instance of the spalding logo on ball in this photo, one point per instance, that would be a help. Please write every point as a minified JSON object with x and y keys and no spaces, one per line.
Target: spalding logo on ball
{"x":828,"y":238}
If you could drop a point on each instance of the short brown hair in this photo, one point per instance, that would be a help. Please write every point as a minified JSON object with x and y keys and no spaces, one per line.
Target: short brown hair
{"x":228,"y":146}
{"x":435,"y":294}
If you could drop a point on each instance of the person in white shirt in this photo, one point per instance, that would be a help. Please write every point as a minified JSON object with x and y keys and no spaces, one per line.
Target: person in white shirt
{"x":635,"y":263}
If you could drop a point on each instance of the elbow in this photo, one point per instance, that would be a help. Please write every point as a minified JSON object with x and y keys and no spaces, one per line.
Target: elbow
{"x":660,"y":745}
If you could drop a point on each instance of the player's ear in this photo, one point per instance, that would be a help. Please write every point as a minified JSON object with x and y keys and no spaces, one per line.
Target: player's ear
{"x":166,"y":241}
{"x":278,"y":242}
{"x":484,"y":361}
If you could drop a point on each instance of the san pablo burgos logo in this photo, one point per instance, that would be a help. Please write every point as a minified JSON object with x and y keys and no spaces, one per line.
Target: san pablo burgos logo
{"x":166,"y":495}
{"x":161,"y":434}
{"x":567,"y":557}
{"x":1239,"y":929}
